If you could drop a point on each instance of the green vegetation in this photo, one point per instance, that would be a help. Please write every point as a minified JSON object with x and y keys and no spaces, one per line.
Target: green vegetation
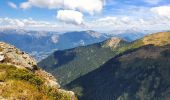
{"x":140,"y":74}
{"x":24,"y":84}
{"x":131,"y":46}
{"x":132,"y":71}
{"x":11,"y":72}
{"x":67,"y":65}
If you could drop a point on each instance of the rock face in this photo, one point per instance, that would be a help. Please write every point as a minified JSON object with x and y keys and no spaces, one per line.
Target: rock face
{"x":1,"y":57}
{"x":113,"y":42}
{"x":11,"y":56}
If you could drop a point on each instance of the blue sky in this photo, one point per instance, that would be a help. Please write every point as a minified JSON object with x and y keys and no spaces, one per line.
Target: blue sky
{"x":99,"y":15}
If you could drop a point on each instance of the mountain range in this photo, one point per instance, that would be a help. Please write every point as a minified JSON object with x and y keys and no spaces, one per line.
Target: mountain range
{"x":40,"y":44}
{"x":115,"y":69}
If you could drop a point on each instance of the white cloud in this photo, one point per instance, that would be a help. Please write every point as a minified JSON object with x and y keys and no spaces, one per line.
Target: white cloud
{"x":72,"y":9}
{"x":51,"y":4}
{"x":163,"y":11}
{"x":70,"y":16}
{"x":20,"y":23}
{"x":111,"y":23}
{"x":153,"y":2}
{"x":12,"y":5}
{"x":25,"y":5}
{"x":108,"y":18}
{"x":30,"y":24}
{"x":88,"y":6}
{"x":11,"y":22}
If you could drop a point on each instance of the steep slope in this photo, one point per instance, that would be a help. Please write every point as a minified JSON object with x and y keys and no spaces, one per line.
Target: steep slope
{"x":139,"y":72}
{"x":79,"y":61}
{"x":128,"y":76}
{"x":20,"y":78}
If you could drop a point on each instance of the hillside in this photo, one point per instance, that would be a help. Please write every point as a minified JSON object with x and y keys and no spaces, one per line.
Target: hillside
{"x":139,"y":74}
{"x":127,"y":73}
{"x":79,"y":61}
{"x":156,"y":39}
{"x":22,"y":79}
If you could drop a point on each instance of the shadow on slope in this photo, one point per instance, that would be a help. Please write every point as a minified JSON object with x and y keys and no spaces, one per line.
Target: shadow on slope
{"x":139,"y":74}
{"x":64,"y":57}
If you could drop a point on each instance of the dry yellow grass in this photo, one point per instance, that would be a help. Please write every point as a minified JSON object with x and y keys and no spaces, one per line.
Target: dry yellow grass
{"x":14,"y":89}
{"x":21,"y":84}
{"x":158,"y":39}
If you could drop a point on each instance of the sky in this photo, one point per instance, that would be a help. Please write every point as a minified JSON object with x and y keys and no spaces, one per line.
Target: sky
{"x":71,"y":15}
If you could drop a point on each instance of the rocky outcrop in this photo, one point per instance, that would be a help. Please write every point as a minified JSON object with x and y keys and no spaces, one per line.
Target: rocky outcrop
{"x":10,"y":55}
{"x":1,"y":57}
{"x":112,"y":43}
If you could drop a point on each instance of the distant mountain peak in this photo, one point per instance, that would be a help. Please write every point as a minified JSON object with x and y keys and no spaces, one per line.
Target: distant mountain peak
{"x":94,"y":34}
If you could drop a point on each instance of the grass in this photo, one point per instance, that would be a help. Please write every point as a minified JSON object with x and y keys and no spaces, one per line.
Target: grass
{"x":11,"y":72}
{"x":159,"y":39}
{"x":133,"y":45}
{"x":24,"y":84}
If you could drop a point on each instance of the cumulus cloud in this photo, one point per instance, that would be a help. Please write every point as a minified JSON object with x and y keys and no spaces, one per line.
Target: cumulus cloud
{"x":11,"y":22}
{"x":72,"y":9}
{"x":51,"y":4}
{"x":30,"y":24}
{"x":12,"y":5}
{"x":88,"y":6}
{"x":20,"y":23}
{"x":163,"y":11}
{"x":111,"y":23}
{"x":70,"y":16}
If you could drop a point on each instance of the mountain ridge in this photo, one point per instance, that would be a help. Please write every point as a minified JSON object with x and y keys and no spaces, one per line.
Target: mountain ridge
{"x":41,"y":43}
{"x":72,"y":61}
{"x":138,"y":53}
